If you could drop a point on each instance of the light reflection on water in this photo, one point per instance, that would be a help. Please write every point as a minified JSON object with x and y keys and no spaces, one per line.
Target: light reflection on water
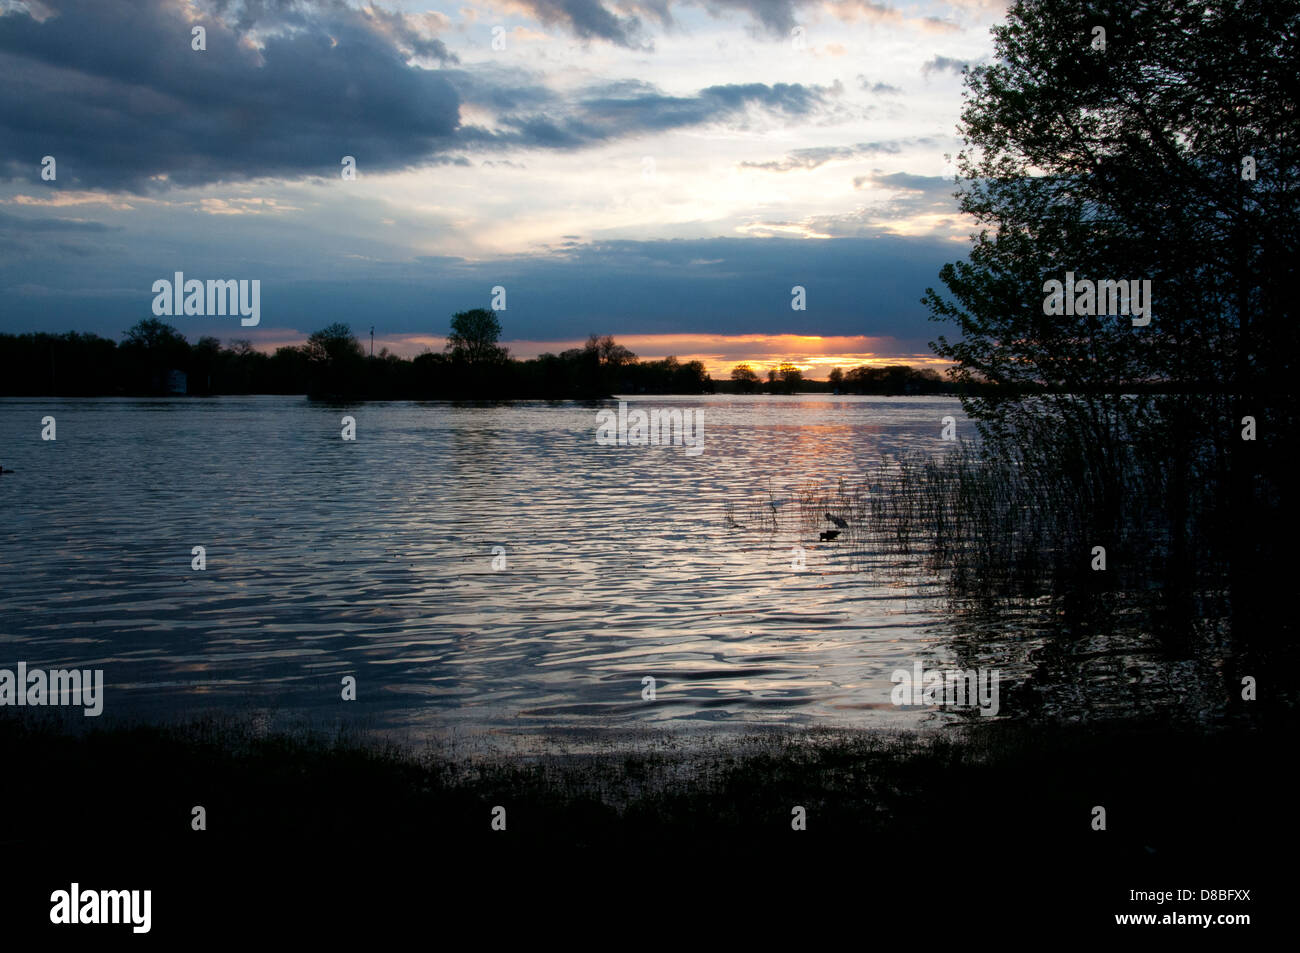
{"x":374,"y":558}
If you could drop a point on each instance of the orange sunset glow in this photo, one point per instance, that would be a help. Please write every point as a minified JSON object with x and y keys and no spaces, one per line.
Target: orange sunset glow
{"x":814,"y":355}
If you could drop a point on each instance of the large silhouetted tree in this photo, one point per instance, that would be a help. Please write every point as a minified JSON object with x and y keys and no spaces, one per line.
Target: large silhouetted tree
{"x":1167,"y":153}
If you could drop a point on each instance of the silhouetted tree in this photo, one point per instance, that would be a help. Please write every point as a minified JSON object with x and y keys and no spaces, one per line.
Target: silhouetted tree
{"x":150,"y":350}
{"x":1134,"y":161}
{"x":791,"y":377}
{"x":473,"y":338}
{"x":335,"y":360}
{"x":745,"y":377}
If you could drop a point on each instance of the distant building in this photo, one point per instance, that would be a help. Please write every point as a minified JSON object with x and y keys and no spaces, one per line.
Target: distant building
{"x":177,"y":383}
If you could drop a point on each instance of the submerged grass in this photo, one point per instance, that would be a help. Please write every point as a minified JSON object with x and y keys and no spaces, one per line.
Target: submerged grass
{"x":1110,"y":588}
{"x":991,"y":523}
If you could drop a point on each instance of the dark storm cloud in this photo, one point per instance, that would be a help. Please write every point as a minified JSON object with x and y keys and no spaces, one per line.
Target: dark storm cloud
{"x":113,"y":90}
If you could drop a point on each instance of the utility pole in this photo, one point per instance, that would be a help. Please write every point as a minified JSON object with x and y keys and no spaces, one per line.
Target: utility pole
{"x":372,"y":341}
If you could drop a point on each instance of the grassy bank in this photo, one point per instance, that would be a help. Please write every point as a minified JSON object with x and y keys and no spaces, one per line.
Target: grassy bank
{"x":308,"y":833}
{"x":1029,"y":784}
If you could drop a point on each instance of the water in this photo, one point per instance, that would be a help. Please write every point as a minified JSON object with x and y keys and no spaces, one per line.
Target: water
{"x":375,"y":558}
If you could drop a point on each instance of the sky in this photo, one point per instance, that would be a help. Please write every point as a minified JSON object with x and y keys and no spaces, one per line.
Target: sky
{"x":666,"y":172}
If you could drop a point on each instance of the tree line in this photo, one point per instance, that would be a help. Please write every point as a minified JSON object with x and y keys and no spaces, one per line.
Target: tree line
{"x":333,"y":364}
{"x":889,"y":379}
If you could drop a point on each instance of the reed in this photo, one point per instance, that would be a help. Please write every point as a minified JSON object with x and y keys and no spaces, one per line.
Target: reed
{"x":1016,"y":522}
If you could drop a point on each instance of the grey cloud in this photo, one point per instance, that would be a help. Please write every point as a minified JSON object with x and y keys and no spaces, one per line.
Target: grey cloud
{"x":906,"y":182}
{"x":113,"y":90}
{"x":816,"y":156}
{"x":942,"y":64}
{"x":912,"y":195}
{"x":776,"y":16}
{"x":883,"y":89}
{"x":25,"y":237}
{"x":624,"y":109}
{"x":591,"y":20}
{"x":21,"y":223}
{"x":245,"y":16}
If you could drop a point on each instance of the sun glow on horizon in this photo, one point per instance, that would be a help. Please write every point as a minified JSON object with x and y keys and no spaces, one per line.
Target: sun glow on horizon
{"x":815,"y":355}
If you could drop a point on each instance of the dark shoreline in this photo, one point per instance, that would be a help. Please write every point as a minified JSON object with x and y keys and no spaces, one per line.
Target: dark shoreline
{"x":1009,"y":805}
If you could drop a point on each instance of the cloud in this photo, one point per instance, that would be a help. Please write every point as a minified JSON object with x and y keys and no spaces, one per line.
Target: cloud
{"x":815,"y":156}
{"x":934,"y":185}
{"x":406,"y":33}
{"x":779,"y":17}
{"x":113,"y":90}
{"x":943,"y":64}
{"x":881,"y":89}
{"x":913,"y":206}
{"x":55,"y":198}
{"x":852,"y":10}
{"x":621,"y":23}
{"x":23,"y":238}
{"x":244,"y":206}
{"x":21,"y":223}
{"x":631,"y":108}
{"x":587,"y":20}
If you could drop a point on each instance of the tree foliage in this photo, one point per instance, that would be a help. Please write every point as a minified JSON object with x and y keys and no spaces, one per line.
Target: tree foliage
{"x":1127,"y":163}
